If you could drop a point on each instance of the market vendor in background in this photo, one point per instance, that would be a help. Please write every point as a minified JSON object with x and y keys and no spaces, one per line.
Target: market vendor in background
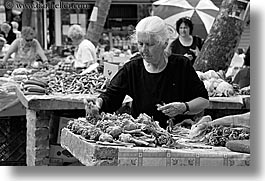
{"x":242,"y":78}
{"x":7,"y":32}
{"x":186,"y":44}
{"x":3,"y":47}
{"x":160,"y":85}
{"x":27,"y":49}
{"x":85,"y":52}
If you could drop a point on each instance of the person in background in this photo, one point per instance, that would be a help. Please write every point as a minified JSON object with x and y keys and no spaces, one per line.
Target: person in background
{"x":3,"y":47}
{"x":27,"y":49}
{"x":85,"y":52}
{"x":242,"y":78}
{"x":186,"y":44}
{"x":235,"y":66}
{"x":107,"y":54}
{"x":7,"y":32}
{"x":104,"y":40}
{"x":15,"y":29}
{"x":161,"y":86}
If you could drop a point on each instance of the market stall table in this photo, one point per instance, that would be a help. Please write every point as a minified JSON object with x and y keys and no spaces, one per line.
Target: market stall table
{"x":39,"y":113}
{"x":224,"y":106}
{"x":93,"y":154}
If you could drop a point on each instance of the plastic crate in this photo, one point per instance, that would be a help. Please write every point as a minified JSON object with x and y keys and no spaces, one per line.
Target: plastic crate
{"x":13,"y":141}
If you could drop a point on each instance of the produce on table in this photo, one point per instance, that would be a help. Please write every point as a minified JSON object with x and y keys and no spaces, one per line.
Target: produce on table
{"x":61,"y":81}
{"x":105,"y":137}
{"x":218,"y":132}
{"x":34,"y":86}
{"x":245,"y":91}
{"x":242,"y":146}
{"x":107,"y":127}
{"x":220,"y":135}
{"x":73,"y":83}
{"x":216,"y":85}
{"x":128,"y":138}
{"x":114,"y":131}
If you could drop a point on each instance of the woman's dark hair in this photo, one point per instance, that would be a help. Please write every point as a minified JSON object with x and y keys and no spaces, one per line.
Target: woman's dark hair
{"x":186,"y":21}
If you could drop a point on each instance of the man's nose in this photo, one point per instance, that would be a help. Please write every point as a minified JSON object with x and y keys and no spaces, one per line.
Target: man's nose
{"x":145,"y":48}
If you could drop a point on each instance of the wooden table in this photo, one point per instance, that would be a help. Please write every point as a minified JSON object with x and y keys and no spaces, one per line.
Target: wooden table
{"x":224,"y":106}
{"x":40,"y":111}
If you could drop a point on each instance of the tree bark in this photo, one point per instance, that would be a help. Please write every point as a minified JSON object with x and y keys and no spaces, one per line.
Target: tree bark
{"x":96,"y":28}
{"x":222,"y":41}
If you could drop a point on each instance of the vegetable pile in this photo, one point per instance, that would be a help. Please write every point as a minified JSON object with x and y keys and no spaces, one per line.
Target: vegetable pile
{"x":34,"y":86}
{"x":220,"y":135}
{"x":73,"y":83}
{"x":219,"y":131}
{"x":59,"y":81}
{"x":216,"y":85}
{"x":114,"y":128}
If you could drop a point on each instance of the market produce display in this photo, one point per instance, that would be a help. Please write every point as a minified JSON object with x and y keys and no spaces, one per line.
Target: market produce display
{"x":34,"y":86}
{"x":220,"y":135}
{"x":144,"y":131}
{"x":124,"y":130}
{"x":222,"y":130}
{"x":217,"y":86}
{"x":73,"y":83}
{"x":114,"y":128}
{"x":245,"y":91}
{"x":56,"y":81}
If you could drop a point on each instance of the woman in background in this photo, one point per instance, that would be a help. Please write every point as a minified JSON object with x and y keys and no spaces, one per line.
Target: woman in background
{"x":27,"y":49}
{"x":186,"y":44}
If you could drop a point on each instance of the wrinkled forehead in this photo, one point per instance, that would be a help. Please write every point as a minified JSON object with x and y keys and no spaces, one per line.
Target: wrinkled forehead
{"x":145,"y":37}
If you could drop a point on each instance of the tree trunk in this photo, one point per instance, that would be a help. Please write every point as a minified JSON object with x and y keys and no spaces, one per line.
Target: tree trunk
{"x":222,"y":41}
{"x":96,"y":28}
{"x":27,"y":14}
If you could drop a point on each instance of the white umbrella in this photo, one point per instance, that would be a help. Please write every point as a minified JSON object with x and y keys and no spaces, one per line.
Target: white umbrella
{"x":201,"y":12}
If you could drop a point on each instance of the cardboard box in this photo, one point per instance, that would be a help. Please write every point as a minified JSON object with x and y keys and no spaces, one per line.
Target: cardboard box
{"x":59,"y":155}
{"x":110,"y":69}
{"x":62,"y":124}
